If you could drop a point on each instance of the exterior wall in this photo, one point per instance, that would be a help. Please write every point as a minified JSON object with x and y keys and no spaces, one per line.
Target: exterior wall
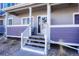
{"x":38,"y":12}
{"x":63,"y":14}
{"x":25,"y":13}
{"x":1,"y":18}
{"x":2,"y":29}
{"x":15,"y":31}
{"x":67,"y":35}
{"x":16,"y":20}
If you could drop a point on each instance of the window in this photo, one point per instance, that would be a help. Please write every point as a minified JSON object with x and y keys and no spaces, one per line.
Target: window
{"x":1,"y":22}
{"x":1,"y":5}
{"x":44,"y":19}
{"x":25,"y":21}
{"x":10,"y":21}
{"x":8,"y":4}
{"x":76,"y":18}
{"x":5,"y":5}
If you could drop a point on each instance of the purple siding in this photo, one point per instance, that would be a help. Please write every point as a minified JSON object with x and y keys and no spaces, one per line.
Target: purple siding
{"x":68,"y":35}
{"x":2,"y":28}
{"x":15,"y":31}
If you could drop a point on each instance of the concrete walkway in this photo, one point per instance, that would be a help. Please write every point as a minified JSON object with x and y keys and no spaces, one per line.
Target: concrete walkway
{"x":26,"y":53}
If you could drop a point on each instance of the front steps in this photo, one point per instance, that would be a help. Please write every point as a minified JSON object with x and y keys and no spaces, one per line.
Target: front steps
{"x":35,"y":43}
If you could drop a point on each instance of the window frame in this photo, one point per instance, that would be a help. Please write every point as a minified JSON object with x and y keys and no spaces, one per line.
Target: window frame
{"x":11,"y":18}
{"x":74,"y":18}
{"x":22,"y":20}
{"x":2,"y":21}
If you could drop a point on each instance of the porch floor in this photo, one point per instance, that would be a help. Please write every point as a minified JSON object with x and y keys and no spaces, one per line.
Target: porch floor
{"x":11,"y":47}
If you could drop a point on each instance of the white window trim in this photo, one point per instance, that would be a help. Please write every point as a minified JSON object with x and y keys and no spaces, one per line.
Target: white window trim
{"x":10,"y":19}
{"x":74,"y":17}
{"x":23,"y":18}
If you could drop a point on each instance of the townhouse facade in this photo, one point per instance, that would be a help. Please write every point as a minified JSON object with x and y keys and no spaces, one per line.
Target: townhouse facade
{"x":40,"y":24}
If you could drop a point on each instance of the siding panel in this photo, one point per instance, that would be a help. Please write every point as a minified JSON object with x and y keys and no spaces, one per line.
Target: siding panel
{"x":2,"y":29}
{"x":68,"y":35}
{"x":15,"y":31}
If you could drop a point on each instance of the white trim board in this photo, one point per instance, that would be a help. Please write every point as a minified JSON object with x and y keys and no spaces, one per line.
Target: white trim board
{"x":63,"y":43}
{"x":16,"y":25}
{"x":56,"y":26}
{"x":67,"y":45}
{"x":73,"y":18}
{"x":13,"y":36}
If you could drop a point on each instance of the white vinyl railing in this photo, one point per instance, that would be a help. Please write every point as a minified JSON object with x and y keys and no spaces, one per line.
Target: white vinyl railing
{"x":25,"y":36}
{"x":46,"y":39}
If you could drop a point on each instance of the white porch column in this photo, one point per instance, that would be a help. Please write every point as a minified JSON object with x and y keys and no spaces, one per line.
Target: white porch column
{"x":48,"y":13}
{"x":47,"y":40}
{"x":5,"y":22}
{"x":48,"y":22}
{"x":30,"y":16}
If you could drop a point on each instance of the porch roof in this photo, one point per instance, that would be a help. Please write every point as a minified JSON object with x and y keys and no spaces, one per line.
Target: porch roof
{"x":25,"y":6}
{"x":19,"y":7}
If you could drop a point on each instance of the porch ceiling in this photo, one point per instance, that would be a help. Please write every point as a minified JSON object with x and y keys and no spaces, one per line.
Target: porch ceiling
{"x":34,"y":9}
{"x":20,"y":12}
{"x":22,"y":7}
{"x":64,"y":5}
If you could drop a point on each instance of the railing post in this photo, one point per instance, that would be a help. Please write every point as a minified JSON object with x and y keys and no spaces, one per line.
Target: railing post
{"x":5,"y":22}
{"x":45,"y":45}
{"x":48,"y":23}
{"x":30,"y":16}
{"x":21,"y":40}
{"x":46,"y":40}
{"x":24,"y":37}
{"x":47,"y":30}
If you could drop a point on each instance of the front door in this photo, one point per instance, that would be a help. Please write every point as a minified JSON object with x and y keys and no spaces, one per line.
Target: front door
{"x":42,"y":20}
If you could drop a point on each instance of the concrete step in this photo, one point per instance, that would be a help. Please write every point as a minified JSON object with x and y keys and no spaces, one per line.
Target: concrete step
{"x":40,"y":34}
{"x":34,"y":49}
{"x":36,"y":37}
{"x":37,"y":40}
{"x":36,"y":44}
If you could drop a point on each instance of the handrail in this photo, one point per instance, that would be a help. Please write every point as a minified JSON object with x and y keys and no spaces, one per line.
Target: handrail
{"x":25,"y":35}
{"x":46,"y":39}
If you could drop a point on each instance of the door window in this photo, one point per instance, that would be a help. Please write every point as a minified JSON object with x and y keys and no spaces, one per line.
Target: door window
{"x":41,"y":23}
{"x":44,"y":19}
